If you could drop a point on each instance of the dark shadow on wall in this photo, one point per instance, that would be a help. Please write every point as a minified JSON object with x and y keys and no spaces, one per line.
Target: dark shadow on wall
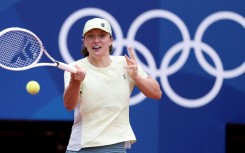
{"x":34,"y":136}
{"x":235,"y":138}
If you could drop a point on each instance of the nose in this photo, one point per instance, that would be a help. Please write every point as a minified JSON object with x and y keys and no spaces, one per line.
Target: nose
{"x":96,"y":38}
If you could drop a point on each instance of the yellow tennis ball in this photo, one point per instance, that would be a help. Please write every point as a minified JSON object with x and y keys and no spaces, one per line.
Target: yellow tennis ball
{"x":33,"y":87}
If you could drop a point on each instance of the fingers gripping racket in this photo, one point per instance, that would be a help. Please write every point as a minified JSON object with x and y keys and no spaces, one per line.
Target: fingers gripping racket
{"x":21,"y":49}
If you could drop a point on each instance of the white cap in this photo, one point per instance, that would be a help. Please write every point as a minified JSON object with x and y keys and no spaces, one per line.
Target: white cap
{"x":97,"y":23}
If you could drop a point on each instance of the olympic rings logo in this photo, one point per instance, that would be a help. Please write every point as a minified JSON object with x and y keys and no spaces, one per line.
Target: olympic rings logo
{"x":165,"y":70}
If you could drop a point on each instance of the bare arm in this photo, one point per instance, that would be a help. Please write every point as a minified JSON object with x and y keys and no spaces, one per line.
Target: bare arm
{"x":72,"y":91}
{"x":148,"y":86}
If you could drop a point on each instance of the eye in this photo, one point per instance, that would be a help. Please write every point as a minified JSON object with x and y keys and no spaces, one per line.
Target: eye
{"x":90,"y":36}
{"x":102,"y":35}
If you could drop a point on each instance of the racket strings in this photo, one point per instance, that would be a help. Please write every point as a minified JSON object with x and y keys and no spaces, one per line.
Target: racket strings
{"x":19,"y":49}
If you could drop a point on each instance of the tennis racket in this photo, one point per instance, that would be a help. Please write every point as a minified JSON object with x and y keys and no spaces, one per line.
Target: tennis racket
{"x":21,"y":49}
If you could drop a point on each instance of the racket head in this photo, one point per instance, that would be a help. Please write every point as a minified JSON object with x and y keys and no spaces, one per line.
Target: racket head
{"x":20,"y":49}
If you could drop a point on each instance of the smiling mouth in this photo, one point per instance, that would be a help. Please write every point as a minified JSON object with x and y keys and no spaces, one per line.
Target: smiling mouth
{"x":96,"y":47}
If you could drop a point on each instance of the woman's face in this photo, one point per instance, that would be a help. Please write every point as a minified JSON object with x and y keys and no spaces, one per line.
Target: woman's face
{"x":97,"y":42}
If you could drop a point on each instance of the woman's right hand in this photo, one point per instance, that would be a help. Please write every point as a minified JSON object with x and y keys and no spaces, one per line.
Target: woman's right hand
{"x":79,"y":75}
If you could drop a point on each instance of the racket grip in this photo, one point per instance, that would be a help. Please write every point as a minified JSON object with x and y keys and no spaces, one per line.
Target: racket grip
{"x":66,"y":67}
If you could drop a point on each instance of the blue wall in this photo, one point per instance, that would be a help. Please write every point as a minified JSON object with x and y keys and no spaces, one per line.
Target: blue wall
{"x":195,"y":49}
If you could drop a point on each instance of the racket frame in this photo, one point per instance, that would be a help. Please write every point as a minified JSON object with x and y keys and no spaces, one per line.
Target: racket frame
{"x":55,"y":63}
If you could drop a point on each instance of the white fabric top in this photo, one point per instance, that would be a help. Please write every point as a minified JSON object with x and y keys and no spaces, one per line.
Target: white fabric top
{"x":102,"y":115}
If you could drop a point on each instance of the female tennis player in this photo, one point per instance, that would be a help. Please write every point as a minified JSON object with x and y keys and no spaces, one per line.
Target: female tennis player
{"x":99,"y":93}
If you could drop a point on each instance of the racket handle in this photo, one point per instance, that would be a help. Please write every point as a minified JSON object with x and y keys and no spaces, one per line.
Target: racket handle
{"x":66,"y":67}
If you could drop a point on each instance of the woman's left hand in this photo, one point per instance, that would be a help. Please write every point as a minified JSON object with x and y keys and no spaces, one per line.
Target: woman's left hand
{"x":132,"y":66}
